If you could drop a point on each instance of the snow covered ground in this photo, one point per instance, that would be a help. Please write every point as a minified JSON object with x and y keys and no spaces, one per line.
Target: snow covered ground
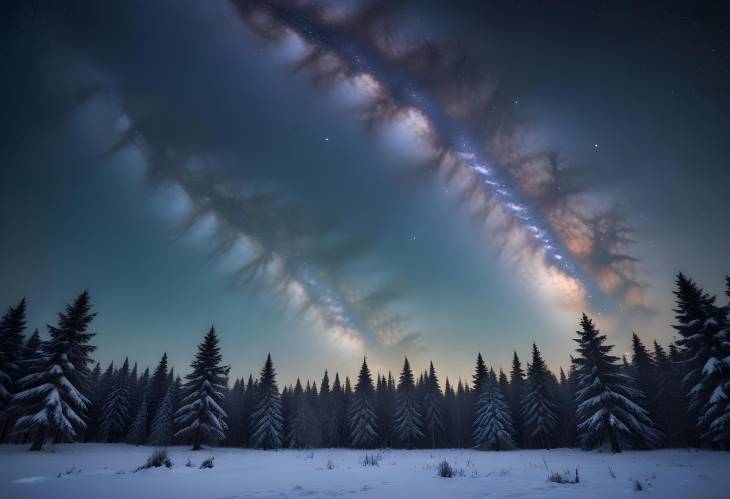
{"x":107,"y":471}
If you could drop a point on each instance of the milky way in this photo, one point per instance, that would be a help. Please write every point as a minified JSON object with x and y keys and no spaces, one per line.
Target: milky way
{"x":449,"y":103}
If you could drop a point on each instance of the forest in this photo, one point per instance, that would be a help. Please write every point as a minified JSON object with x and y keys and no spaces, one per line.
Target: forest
{"x":672,"y":396}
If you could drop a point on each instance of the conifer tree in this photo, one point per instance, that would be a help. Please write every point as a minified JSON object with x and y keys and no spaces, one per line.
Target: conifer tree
{"x":249,"y":399}
{"x":326,"y":419}
{"x":433,"y":418}
{"x":267,"y":424}
{"x":566,"y":410}
{"x":162,"y":430}
{"x":201,"y":418}
{"x":157,"y":385}
{"x":607,"y":405}
{"x":672,"y":414}
{"x":100,"y":391}
{"x":514,"y":397}
{"x":407,"y":421}
{"x":51,"y":400}
{"x":539,"y":410}
{"x":115,"y":411}
{"x":362,"y":417}
{"x":12,"y":327}
{"x":645,"y":373}
{"x":301,"y":421}
{"x":138,"y":431}
{"x":704,"y":331}
{"x":338,"y":404}
{"x":493,"y":424}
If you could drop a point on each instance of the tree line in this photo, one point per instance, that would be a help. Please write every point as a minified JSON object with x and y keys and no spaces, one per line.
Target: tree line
{"x":660,"y":397}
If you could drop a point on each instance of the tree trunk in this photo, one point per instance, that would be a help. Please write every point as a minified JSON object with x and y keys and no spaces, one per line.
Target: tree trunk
{"x":615,"y":447}
{"x":39,"y":439}
{"x":196,"y":441}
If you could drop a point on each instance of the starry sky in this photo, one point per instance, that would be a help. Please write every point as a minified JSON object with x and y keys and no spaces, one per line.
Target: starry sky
{"x":321,"y":187}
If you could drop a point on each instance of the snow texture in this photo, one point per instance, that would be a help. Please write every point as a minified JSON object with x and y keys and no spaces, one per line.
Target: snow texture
{"x":91,"y":471}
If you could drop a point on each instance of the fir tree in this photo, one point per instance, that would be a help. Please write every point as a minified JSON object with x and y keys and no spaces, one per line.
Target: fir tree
{"x":539,"y":412}
{"x":567,"y":408}
{"x":362,"y":417}
{"x":163,"y":424}
{"x":266,"y":420}
{"x":645,"y":373}
{"x":493,"y":424}
{"x":607,"y":407}
{"x":704,"y":331}
{"x":12,"y":326}
{"x":338,"y":410}
{"x":407,"y":421}
{"x":114,"y":413}
{"x":51,"y":399}
{"x":137,"y":434}
{"x":301,"y":420}
{"x":158,"y":385}
{"x":514,"y":397}
{"x":201,"y":418}
{"x":249,"y":399}
{"x":234,"y":407}
{"x":433,"y":419}
{"x":100,"y":391}
{"x":327,"y":416}
{"x":672,"y":414}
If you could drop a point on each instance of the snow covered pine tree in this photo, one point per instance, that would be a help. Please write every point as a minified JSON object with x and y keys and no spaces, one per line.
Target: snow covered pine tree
{"x":607,"y":404}
{"x":201,"y":417}
{"x":267,"y":422}
{"x":51,"y":400}
{"x":493,"y":428}
{"x":363,"y":420}
{"x":407,"y":422}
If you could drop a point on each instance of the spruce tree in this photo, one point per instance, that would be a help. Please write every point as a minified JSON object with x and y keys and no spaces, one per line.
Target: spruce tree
{"x":407,"y":421}
{"x":362,"y":417}
{"x":566,"y":401}
{"x":114,"y":413}
{"x":162,"y":430}
{"x":672,"y":414}
{"x":12,"y":327}
{"x":514,"y":396}
{"x":100,"y":391}
{"x":539,"y":412}
{"x":138,"y":431}
{"x":249,"y":399}
{"x":493,"y":424}
{"x":704,"y":331}
{"x":326,"y":417}
{"x":301,"y":421}
{"x":51,"y":400}
{"x":607,"y":404}
{"x":645,"y":373}
{"x":158,"y":385}
{"x":267,"y":424}
{"x":433,"y":418}
{"x":233,"y":407}
{"x":201,"y":418}
{"x":338,"y":410}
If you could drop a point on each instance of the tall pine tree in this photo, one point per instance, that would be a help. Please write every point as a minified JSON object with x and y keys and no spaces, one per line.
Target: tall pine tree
{"x":539,"y":412}
{"x":433,"y":418}
{"x":362,"y":417}
{"x":114,"y":413}
{"x":407,"y":421}
{"x":267,"y":424}
{"x":201,"y":418}
{"x":51,"y":400}
{"x":607,"y":405}
{"x":493,"y":428}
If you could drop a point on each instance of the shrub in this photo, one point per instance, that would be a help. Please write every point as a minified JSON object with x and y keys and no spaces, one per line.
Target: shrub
{"x":157,"y":459}
{"x":637,"y":486}
{"x":330,"y":464}
{"x":189,"y":463}
{"x":371,"y":460}
{"x":207,"y":463}
{"x":445,"y":470}
{"x":557,"y":477}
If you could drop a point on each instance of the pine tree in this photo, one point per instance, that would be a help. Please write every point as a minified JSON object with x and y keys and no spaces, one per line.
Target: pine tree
{"x":234,"y":407}
{"x":539,"y":412}
{"x":566,"y":399}
{"x":645,"y":373}
{"x":704,"y":331}
{"x":433,"y":418}
{"x":163,"y":424}
{"x":301,"y":421}
{"x":493,"y":424}
{"x":384,"y":409}
{"x":100,"y":391}
{"x":362,"y":417}
{"x":607,"y":407}
{"x":249,"y":399}
{"x":407,"y":421}
{"x":514,"y":397}
{"x":266,"y":420}
{"x":51,"y":399}
{"x":327,"y":415}
{"x":12,"y":327}
{"x":338,"y":410}
{"x":672,"y":412}
{"x":115,"y":411}
{"x":158,"y":385}
{"x":201,"y":418}
{"x":138,"y":431}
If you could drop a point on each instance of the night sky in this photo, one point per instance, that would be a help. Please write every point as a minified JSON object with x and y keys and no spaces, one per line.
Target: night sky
{"x":189,"y":165}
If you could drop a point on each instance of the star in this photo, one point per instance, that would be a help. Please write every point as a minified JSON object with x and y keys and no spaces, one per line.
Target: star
{"x":326,"y":139}
{"x":595,"y":146}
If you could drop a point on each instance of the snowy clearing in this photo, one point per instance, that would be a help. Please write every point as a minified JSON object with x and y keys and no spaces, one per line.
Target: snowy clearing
{"x":107,"y":471}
